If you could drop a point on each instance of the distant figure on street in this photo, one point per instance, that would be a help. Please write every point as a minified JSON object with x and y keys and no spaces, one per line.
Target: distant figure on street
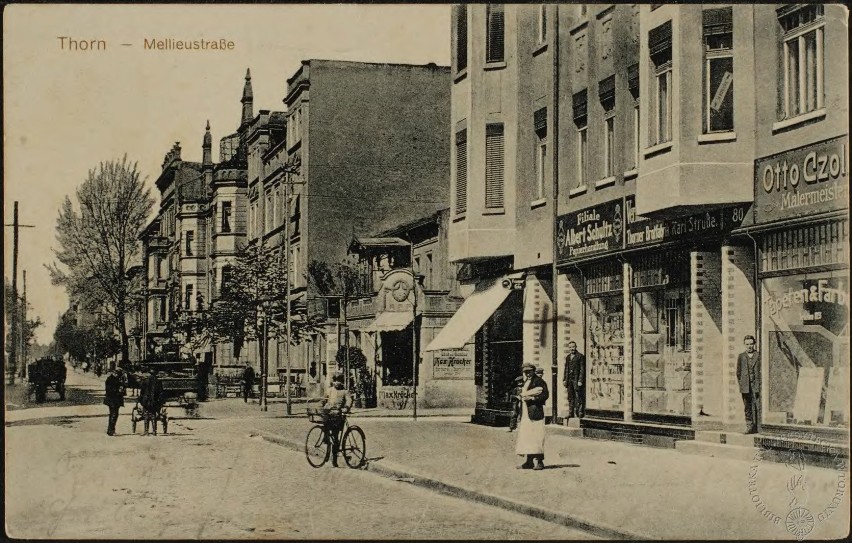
{"x":748,"y":374}
{"x":336,"y":405}
{"x":113,"y":398}
{"x":531,"y":429}
{"x":151,"y":399}
{"x":574,"y":381}
{"x":515,"y":400}
{"x":248,"y":381}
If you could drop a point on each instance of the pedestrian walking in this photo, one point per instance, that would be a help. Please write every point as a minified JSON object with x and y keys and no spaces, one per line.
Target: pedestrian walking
{"x":574,"y":381}
{"x":531,"y":431}
{"x":113,"y":399}
{"x":151,"y":399}
{"x":248,"y":381}
{"x":515,"y":400}
{"x":748,"y":374}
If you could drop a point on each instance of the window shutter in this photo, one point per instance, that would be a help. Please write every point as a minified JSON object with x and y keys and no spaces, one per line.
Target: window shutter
{"x":461,"y":37}
{"x":496,"y":32}
{"x":494,"y":149}
{"x":660,"y":38}
{"x":580,"y":107}
{"x":633,"y":79}
{"x":540,"y":121}
{"x":717,"y":21}
{"x":606,"y":92}
{"x":461,"y":172}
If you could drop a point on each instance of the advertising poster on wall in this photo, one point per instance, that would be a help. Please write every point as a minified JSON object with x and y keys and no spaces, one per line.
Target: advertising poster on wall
{"x":450,"y":364}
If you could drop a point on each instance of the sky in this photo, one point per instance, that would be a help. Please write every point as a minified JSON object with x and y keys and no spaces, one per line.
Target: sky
{"x":65,"y":111}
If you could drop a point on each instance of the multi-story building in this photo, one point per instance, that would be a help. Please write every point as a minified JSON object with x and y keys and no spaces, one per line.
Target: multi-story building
{"x":408,"y":292}
{"x":198,"y":229}
{"x":685,"y":180}
{"x":363,"y":147}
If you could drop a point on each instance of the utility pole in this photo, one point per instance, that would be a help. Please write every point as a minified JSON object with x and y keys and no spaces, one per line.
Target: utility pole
{"x":13,"y":355}
{"x":290,"y":272}
{"x":414,"y":354}
{"x":23,"y":328}
{"x":264,"y":362}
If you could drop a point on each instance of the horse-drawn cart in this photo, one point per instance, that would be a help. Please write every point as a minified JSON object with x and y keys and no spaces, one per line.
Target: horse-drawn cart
{"x":45,"y":374}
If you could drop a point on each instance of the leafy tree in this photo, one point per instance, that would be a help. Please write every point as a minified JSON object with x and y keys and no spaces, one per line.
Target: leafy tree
{"x":28,"y":326}
{"x":253,"y":287}
{"x":83,"y":341}
{"x":98,"y":242}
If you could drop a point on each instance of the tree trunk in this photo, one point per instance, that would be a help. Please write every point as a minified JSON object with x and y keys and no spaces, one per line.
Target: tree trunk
{"x":125,"y":340}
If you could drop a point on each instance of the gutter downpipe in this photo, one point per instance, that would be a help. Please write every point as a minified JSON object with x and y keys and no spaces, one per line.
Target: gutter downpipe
{"x":555,"y":217}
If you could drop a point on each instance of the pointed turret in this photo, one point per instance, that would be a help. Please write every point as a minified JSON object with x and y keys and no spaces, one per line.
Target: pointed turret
{"x":207,"y":148}
{"x":247,"y":100}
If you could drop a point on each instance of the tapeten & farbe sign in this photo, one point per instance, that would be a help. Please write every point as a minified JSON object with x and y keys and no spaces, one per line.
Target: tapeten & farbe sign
{"x":804,"y":181}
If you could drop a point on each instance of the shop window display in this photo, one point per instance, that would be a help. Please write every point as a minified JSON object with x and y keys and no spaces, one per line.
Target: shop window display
{"x":805,"y":345}
{"x":605,"y":353}
{"x":662,"y":376}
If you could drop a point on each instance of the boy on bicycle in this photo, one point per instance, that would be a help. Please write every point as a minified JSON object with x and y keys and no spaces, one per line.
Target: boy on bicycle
{"x":336,"y":405}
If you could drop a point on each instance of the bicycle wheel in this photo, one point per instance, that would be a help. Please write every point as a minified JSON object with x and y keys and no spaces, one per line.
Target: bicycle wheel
{"x":317,"y":446}
{"x":354,"y":447}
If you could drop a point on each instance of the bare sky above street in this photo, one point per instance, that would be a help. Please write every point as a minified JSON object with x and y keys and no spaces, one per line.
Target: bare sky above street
{"x":65,"y":111}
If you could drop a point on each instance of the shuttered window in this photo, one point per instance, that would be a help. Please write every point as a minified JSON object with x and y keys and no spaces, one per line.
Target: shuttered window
{"x":461,"y":172}
{"x":461,"y":37}
{"x":495,"y":33}
{"x":494,"y":150}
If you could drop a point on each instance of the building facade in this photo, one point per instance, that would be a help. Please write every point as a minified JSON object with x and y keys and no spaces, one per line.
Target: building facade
{"x":362,"y":147}
{"x":668,"y":147}
{"x":408,"y":290}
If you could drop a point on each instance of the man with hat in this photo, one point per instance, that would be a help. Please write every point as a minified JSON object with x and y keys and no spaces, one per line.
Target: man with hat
{"x":531,"y":430}
{"x":113,"y":398}
{"x":336,"y":404}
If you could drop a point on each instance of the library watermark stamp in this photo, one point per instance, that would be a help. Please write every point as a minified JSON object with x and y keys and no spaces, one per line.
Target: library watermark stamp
{"x":802,"y":497}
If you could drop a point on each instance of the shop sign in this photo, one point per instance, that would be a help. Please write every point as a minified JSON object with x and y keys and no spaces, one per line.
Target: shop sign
{"x":395,"y":397}
{"x":591,"y":231}
{"x":641,"y":230}
{"x":453,"y":364}
{"x":804,"y":181}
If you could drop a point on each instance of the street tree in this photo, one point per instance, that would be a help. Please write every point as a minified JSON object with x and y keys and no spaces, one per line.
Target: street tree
{"x":28,"y":326}
{"x":253,"y":290}
{"x":98,"y":242}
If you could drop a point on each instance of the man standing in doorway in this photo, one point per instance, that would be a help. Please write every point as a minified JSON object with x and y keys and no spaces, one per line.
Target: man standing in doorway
{"x":748,"y":374}
{"x":574,"y":381}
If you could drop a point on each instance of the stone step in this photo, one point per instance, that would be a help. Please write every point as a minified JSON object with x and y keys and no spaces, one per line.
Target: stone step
{"x":726,"y":438}
{"x":716,"y":450}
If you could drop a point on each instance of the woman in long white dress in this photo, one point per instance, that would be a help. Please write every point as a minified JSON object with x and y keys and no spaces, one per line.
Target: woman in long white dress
{"x":531,"y":430}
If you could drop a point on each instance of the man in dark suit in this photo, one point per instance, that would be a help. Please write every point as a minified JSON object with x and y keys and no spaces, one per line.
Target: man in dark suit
{"x":151,"y":398}
{"x":113,"y":398}
{"x":248,"y":381}
{"x":575,"y":381}
{"x":748,"y":374}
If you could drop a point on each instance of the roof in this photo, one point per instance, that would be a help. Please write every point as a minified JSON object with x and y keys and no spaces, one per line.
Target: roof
{"x":360,"y":243}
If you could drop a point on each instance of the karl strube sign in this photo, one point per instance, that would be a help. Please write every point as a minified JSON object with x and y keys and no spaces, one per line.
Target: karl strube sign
{"x":804,"y":181}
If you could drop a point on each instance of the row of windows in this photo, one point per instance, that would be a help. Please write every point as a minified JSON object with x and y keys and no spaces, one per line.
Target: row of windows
{"x":274,"y":215}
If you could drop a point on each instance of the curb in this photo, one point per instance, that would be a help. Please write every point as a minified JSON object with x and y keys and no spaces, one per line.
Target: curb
{"x":392,"y":471}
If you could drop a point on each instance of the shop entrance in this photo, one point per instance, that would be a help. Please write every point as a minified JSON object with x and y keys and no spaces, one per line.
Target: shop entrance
{"x":502,"y":351}
{"x":396,"y":358}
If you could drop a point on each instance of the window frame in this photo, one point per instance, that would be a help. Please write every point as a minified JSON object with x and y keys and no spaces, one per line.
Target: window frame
{"x":710,"y":32}
{"x":491,"y":167}
{"x":188,"y":239}
{"x":461,"y":49}
{"x":609,"y":143}
{"x":491,"y":19}
{"x":662,"y":72}
{"x":582,"y":154}
{"x":541,"y":166}
{"x":637,"y":132}
{"x":799,"y":34}
{"x":542,"y":24}
{"x":187,"y":297}
{"x":225,"y":219}
{"x":461,"y":143}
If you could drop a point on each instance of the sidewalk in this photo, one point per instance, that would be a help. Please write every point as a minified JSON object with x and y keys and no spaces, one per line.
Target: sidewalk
{"x":610,"y":489}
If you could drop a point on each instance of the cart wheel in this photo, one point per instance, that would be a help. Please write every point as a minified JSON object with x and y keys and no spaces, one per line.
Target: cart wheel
{"x":354,"y":447}
{"x":317,"y":446}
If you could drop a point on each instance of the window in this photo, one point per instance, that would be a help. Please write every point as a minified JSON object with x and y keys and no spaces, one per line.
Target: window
{"x":581,"y":121}
{"x":606,"y":93}
{"x":226,"y":216}
{"x":718,"y":70}
{"x":542,"y":23}
{"x":427,"y":281}
{"x":495,"y":33}
{"x":189,"y":239}
{"x":540,"y":124}
{"x":276,"y":208}
{"x":660,"y":47}
{"x":633,"y":87}
{"x":461,"y":37}
{"x":161,"y":313}
{"x":187,"y":299}
{"x":461,"y":172}
{"x":802,"y":59}
{"x":161,"y":267}
{"x":295,"y":215}
{"x":267,"y":213}
{"x":494,"y":165}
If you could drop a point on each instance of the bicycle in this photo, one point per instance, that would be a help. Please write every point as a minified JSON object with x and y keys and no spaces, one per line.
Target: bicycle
{"x":318,"y":444}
